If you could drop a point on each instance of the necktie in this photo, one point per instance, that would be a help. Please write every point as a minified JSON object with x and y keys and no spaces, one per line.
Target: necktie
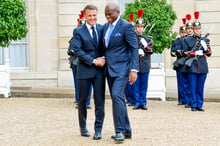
{"x":109,"y":34}
{"x":94,"y":36}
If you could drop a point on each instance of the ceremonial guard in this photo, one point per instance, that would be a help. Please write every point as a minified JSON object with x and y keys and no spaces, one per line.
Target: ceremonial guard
{"x":197,"y":67}
{"x":129,"y":95}
{"x":185,"y":79}
{"x":73,"y":60}
{"x":145,"y":51}
{"x":177,"y":50}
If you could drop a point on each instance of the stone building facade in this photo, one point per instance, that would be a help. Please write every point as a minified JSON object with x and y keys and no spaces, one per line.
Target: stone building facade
{"x":50,"y":27}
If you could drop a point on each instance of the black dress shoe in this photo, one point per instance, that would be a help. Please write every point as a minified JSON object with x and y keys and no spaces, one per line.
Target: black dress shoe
{"x":119,"y":137}
{"x":88,"y":107}
{"x":200,"y":109}
{"x":84,"y":132}
{"x":128,"y":135}
{"x":130,"y":104}
{"x":181,"y":103}
{"x":136,"y":107}
{"x":144,"y":107}
{"x":97,"y":136}
{"x":193,"y":109}
{"x":187,"y":105}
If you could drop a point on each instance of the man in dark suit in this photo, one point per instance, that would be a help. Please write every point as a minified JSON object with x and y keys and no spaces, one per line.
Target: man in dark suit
{"x":87,"y":47}
{"x":121,"y":54}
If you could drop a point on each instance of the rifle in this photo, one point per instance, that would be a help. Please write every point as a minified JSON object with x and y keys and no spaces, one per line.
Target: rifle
{"x":179,"y":62}
{"x":148,"y":24}
{"x":149,"y":31}
{"x":197,"y":47}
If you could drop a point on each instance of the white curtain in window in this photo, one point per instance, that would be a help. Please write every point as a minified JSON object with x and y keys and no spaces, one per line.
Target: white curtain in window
{"x":18,"y":55}
{"x":1,"y":56}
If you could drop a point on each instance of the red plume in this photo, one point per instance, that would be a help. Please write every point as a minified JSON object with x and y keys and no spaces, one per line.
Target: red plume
{"x":80,"y":16}
{"x":188,"y":17}
{"x":184,"y":20}
{"x":196,"y":15}
{"x":131,"y":17}
{"x":140,"y":13}
{"x":128,"y":20}
{"x":78,"y":20}
{"x":82,"y":13}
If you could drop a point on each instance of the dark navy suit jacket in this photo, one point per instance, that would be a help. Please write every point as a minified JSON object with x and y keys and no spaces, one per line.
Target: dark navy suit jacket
{"x":122,"y":52}
{"x":86,"y":51}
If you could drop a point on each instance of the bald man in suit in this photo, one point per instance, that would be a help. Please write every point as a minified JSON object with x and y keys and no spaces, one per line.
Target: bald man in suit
{"x":121,"y":54}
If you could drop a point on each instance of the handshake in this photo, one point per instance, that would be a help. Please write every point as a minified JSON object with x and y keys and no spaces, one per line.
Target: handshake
{"x":100,"y":61}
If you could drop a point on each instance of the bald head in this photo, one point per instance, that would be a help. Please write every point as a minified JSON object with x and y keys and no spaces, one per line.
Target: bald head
{"x":112,"y":12}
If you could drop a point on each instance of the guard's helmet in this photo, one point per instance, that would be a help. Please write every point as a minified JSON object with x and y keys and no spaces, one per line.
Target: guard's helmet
{"x":81,"y":19}
{"x":196,"y":24}
{"x":182,"y":28}
{"x":188,"y":24}
{"x":131,"y":19}
{"x":139,"y":21}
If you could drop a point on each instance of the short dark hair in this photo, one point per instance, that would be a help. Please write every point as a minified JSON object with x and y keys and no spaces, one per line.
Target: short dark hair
{"x":90,"y":7}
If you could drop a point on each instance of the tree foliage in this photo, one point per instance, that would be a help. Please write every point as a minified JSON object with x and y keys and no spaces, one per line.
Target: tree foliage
{"x":13,"y":23}
{"x":156,"y":12}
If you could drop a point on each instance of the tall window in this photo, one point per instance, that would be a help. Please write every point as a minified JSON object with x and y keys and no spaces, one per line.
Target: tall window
{"x":18,"y":52}
{"x":1,"y":56}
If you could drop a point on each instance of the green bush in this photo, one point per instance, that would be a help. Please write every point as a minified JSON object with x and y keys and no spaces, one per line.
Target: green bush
{"x":13,"y":23}
{"x":157,"y":12}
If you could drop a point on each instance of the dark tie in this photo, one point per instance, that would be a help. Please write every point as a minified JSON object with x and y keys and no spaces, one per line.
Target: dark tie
{"x":94,"y":36}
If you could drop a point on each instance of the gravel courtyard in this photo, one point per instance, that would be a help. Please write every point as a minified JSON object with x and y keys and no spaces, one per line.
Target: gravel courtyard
{"x":54,"y":121}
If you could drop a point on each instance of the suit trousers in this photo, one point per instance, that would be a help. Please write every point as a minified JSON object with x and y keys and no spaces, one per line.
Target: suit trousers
{"x":98,"y":83}
{"x":120,"y":114}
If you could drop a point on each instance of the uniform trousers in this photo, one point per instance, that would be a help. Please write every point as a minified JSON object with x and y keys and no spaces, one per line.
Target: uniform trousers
{"x":74,"y":70}
{"x":140,"y":89}
{"x":129,"y":94}
{"x":179,"y":77}
{"x":197,"y":83}
{"x":186,"y":88}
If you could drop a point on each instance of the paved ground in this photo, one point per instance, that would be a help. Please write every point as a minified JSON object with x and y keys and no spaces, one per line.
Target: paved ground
{"x":53,"y":121}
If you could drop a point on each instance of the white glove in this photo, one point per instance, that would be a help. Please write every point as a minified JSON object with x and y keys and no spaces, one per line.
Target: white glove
{"x":199,"y":52}
{"x":141,"y":52}
{"x":203,"y":43}
{"x":144,"y":42}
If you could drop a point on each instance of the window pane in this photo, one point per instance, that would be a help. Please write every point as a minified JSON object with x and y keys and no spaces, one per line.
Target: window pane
{"x":1,"y":56}
{"x":18,"y":55}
